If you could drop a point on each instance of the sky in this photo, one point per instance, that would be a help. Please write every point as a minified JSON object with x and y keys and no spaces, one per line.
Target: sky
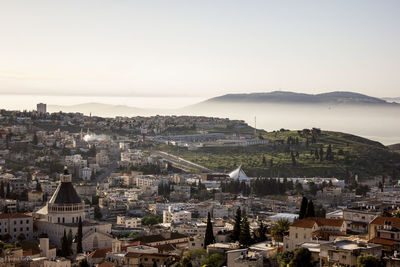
{"x":199,"y":48}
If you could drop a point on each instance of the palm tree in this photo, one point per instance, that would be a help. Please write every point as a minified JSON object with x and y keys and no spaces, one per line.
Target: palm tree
{"x":279,"y":230}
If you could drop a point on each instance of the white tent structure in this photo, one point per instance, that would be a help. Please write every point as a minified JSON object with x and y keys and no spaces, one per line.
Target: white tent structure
{"x":239,"y":174}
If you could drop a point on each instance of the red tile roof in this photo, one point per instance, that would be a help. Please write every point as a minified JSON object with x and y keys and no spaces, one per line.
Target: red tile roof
{"x":99,"y":253}
{"x":14,"y":216}
{"x":309,"y":222}
{"x":107,"y":264}
{"x":380,"y":220}
{"x":382,"y":241}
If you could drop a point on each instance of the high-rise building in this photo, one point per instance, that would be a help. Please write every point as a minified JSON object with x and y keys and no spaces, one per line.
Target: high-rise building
{"x":41,"y":108}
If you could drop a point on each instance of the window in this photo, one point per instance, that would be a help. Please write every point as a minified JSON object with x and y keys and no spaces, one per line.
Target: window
{"x":296,"y":235}
{"x":27,"y":228}
{"x":21,"y":229}
{"x":344,"y":257}
{"x":20,"y":222}
{"x":15,"y":229}
{"x":27,"y":221}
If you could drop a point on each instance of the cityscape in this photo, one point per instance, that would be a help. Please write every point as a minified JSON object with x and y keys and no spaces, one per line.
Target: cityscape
{"x":199,"y":133}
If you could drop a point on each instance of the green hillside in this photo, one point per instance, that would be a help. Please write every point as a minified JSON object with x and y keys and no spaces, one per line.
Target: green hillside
{"x":293,"y":154}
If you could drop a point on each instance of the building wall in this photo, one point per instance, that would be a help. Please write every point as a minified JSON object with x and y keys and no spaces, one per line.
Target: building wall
{"x":16,"y":226}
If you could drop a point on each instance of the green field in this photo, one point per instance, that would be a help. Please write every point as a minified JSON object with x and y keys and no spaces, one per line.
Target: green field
{"x":351,"y":155}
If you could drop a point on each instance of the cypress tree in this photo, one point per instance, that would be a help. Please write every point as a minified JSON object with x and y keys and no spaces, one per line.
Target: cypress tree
{"x":2,"y":193}
{"x":236,"y":227}
{"x":35,"y":139}
{"x":209,"y":236}
{"x":245,"y":237}
{"x":79,"y":237}
{"x":64,"y":245}
{"x":310,"y":212}
{"x":8,"y":190}
{"x":38,"y":187}
{"x":303,"y":208}
{"x":321,"y":154}
{"x":69,"y":243}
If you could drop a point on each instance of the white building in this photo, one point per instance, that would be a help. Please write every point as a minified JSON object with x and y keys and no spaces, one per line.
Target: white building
{"x":16,"y":225}
{"x":171,"y":216}
{"x":102,"y":158}
{"x":86,"y":173}
{"x":129,"y":222}
{"x":62,"y":214}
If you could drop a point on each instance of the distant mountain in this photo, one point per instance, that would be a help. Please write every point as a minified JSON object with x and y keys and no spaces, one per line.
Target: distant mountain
{"x":99,"y":109}
{"x":392,"y":99}
{"x":281,"y":97}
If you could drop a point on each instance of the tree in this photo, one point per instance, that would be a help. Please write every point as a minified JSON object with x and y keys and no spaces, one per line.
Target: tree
{"x":151,"y":220}
{"x":236,"y":228}
{"x":97,"y":213}
{"x":329,"y":154}
{"x":21,"y":237}
{"x":35,"y":139}
{"x":321,"y":154}
{"x":262,"y":233}
{"x":298,"y":187}
{"x":310,"y":212}
{"x":84,"y":263}
{"x":303,"y":208}
{"x":209,"y":236}
{"x":2,"y":193}
{"x":368,"y":261}
{"x":8,"y":190}
{"x":79,"y":237}
{"x":285,"y":258}
{"x":213,"y":260}
{"x":245,"y":239}
{"x":264,"y":161}
{"x":69,"y":243}
{"x":64,"y":245}
{"x":301,"y":257}
{"x":312,"y":188}
{"x":279,"y":229}
{"x":38,"y":187}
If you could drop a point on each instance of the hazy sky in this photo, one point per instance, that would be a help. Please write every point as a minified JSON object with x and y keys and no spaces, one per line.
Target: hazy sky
{"x":199,"y":48}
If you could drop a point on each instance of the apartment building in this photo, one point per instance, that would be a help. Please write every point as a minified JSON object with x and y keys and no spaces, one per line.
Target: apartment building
{"x":309,"y":229}
{"x":345,"y":252}
{"x":129,"y":222}
{"x":385,"y":231}
{"x":171,"y":215}
{"x":16,"y":225}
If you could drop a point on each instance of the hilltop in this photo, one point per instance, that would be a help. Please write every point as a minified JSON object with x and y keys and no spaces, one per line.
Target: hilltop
{"x":294,"y":154}
{"x":281,"y":97}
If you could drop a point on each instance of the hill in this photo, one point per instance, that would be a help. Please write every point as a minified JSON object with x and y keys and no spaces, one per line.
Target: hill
{"x":100,"y":109}
{"x":394,"y":147}
{"x":297,"y":154}
{"x":280,"y":97}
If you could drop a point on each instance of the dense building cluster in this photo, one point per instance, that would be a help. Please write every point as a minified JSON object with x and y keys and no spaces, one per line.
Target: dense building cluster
{"x":91,"y":191}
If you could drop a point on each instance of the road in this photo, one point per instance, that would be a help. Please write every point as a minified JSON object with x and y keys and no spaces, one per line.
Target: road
{"x":181,"y":163}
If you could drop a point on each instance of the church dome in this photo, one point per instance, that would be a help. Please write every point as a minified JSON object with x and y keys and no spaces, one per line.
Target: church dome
{"x":65,"y":192}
